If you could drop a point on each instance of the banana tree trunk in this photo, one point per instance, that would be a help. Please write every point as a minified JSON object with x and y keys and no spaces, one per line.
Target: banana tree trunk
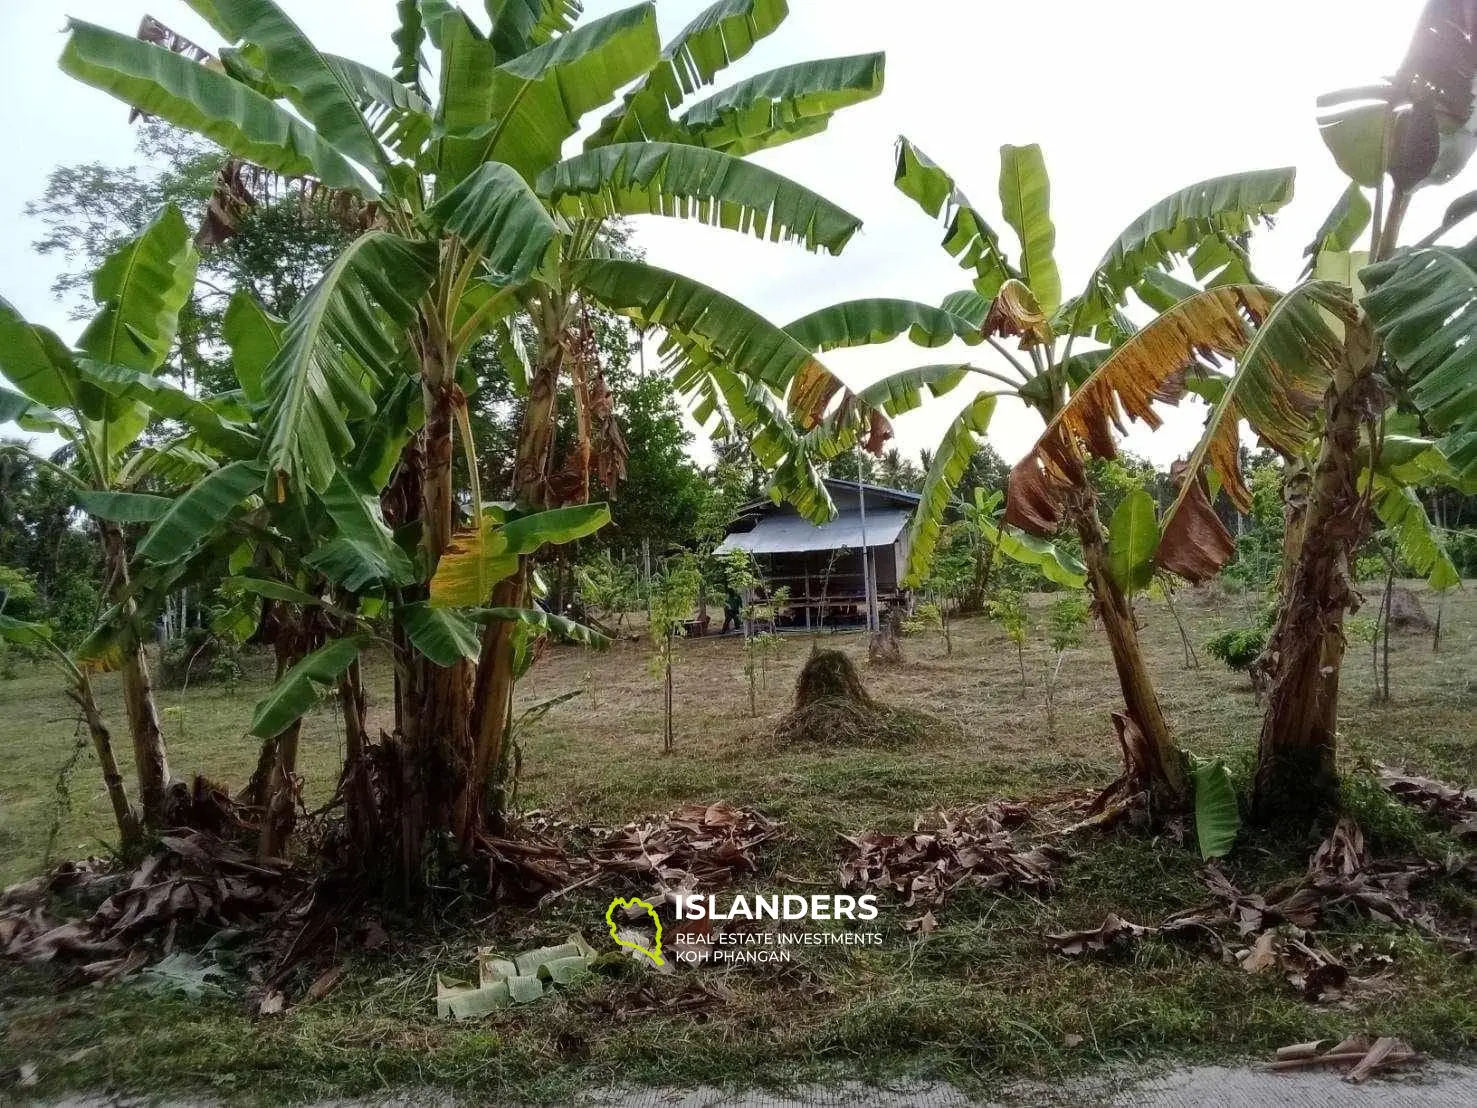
{"x":435,"y":720}
{"x":492,"y":699}
{"x":1296,"y":775}
{"x":356,"y":783}
{"x":129,"y":832}
{"x":281,"y":813}
{"x":151,"y":759}
{"x":979,"y":581}
{"x":259,"y":789}
{"x":1153,"y":762}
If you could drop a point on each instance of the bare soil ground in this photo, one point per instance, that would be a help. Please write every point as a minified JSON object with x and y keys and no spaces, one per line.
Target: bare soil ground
{"x":977,"y":1001}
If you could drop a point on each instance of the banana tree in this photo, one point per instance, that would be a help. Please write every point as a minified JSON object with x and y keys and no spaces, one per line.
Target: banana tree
{"x":317,"y":576}
{"x":982,"y":521}
{"x":140,"y":291}
{"x":1407,"y":348}
{"x":474,"y":217}
{"x":79,"y":690}
{"x":1078,"y":392}
{"x":1310,"y":379}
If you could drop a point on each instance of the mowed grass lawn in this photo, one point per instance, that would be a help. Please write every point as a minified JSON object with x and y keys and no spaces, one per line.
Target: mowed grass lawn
{"x":978,"y":1000}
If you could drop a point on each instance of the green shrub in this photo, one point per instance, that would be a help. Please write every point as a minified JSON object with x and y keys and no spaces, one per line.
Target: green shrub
{"x":925,"y":617}
{"x":199,"y":656}
{"x":1238,"y":648}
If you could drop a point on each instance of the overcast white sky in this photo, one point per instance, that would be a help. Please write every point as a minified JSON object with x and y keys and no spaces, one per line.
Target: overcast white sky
{"x":1130,"y":100}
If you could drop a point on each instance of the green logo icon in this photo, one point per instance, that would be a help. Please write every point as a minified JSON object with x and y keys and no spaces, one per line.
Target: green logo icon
{"x":654,"y":952}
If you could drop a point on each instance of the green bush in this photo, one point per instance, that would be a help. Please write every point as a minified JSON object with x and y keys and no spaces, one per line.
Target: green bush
{"x":199,"y":656}
{"x":1238,"y":648}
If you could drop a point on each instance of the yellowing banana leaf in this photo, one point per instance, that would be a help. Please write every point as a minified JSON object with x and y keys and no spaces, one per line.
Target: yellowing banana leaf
{"x":476,"y":561}
{"x":1149,"y":367}
{"x":1278,"y":387}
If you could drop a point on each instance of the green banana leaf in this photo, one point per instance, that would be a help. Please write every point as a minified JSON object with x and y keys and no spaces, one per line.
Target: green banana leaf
{"x":1213,"y":211}
{"x":950,"y":461}
{"x":689,"y":182}
{"x":177,"y":90}
{"x":443,"y":635}
{"x":1025,"y":200}
{"x":782,"y":105}
{"x":878,"y":320}
{"x":196,"y":514}
{"x":720,"y":35}
{"x":318,"y":377}
{"x":1217,"y":812}
{"x":142,"y":288}
{"x":123,"y":507}
{"x":305,"y":684}
{"x":1421,"y":303}
{"x":970,"y":238}
{"x":1133,"y":540}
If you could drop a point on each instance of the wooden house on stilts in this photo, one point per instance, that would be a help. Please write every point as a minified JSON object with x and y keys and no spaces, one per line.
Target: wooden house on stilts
{"x":844,"y":572}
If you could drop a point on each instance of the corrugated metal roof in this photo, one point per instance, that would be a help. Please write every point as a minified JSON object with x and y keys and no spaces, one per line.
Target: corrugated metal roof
{"x":792,"y":534}
{"x":839,"y":485}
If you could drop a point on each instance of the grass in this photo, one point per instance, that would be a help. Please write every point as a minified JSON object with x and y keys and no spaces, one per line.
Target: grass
{"x":978,"y":1001}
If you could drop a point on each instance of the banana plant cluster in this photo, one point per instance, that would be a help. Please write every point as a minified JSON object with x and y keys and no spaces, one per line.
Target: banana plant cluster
{"x":335,"y":490}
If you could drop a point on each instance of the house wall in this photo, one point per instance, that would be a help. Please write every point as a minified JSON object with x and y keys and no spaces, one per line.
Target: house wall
{"x":845,"y":572}
{"x":886,"y":571}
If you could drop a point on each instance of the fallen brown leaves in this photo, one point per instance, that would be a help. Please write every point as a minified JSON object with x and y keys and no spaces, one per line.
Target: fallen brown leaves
{"x":1114,"y":934}
{"x":947,"y":849}
{"x":1453,"y":806}
{"x":1272,"y":931}
{"x":697,"y":845}
{"x":194,"y":878}
{"x":127,"y":919}
{"x":526,"y":864}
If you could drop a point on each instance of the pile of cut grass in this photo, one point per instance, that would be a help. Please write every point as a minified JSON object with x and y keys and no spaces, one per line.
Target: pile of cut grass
{"x":833,"y":709}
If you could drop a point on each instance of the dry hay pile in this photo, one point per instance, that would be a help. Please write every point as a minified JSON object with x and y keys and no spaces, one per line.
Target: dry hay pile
{"x":1276,"y":931}
{"x":833,"y":708}
{"x":947,"y":849}
{"x":1407,"y":615}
